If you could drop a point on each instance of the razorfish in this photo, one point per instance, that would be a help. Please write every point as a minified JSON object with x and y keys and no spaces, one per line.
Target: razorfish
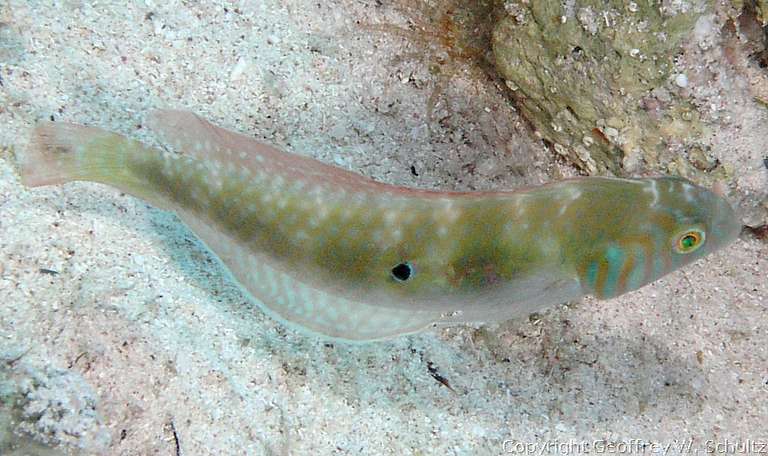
{"x":339,"y":254}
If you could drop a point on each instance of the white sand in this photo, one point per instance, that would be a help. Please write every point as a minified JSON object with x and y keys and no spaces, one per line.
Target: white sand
{"x":140,"y":321}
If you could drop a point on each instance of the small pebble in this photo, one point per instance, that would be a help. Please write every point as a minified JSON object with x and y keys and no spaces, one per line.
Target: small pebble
{"x":681,"y":80}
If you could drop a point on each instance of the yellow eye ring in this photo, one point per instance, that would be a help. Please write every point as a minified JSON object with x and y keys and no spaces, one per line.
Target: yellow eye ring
{"x":689,"y":241}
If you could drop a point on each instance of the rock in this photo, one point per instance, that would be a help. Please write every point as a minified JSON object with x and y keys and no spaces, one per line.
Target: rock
{"x":573,"y":65}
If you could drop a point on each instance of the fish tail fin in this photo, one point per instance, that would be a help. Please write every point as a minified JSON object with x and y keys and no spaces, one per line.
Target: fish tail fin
{"x":61,"y":152}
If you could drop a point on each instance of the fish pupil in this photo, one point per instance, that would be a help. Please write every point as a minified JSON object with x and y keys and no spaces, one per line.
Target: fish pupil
{"x":689,"y":242}
{"x":402,"y":272}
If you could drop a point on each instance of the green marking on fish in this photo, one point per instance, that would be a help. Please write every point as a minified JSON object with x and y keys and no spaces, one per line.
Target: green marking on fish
{"x":342,"y":255}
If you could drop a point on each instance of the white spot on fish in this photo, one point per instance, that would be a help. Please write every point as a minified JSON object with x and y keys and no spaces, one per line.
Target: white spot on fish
{"x":573,"y":193}
{"x":305,"y":205}
{"x":198,"y":196}
{"x":653,"y":190}
{"x":448,"y":214}
{"x":390,"y":217}
{"x":688,"y":192}
{"x":287,"y":286}
{"x":316,"y":192}
{"x":269,"y":284}
{"x":359,"y":200}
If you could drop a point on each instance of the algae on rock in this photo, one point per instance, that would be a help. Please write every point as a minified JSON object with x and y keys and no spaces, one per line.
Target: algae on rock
{"x":759,"y":7}
{"x":595,"y":77}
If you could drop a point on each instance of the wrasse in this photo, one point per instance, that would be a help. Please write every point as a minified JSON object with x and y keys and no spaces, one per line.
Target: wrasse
{"x":342,"y":255}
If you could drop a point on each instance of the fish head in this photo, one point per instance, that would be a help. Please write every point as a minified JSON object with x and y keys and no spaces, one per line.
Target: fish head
{"x":673,"y":222}
{"x":695,"y":220}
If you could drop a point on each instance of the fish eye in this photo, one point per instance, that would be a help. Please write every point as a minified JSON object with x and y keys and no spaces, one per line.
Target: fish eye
{"x":402,"y":271}
{"x":689,"y":241}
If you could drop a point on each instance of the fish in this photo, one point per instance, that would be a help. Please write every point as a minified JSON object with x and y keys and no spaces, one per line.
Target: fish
{"x":337,"y":254}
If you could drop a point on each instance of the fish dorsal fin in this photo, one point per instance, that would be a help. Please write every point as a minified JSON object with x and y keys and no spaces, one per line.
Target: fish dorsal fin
{"x":193,"y":135}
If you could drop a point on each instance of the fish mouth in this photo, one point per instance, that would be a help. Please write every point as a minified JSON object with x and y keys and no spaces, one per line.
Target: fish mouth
{"x":728,"y":223}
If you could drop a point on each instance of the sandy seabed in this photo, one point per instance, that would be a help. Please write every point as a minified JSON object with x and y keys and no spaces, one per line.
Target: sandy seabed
{"x":120,"y":334}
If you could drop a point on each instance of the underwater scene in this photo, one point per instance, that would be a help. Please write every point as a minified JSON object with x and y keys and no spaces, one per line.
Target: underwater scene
{"x":403,"y":227}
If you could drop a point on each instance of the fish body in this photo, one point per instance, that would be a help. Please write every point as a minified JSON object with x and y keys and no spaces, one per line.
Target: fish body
{"x":342,"y":255}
